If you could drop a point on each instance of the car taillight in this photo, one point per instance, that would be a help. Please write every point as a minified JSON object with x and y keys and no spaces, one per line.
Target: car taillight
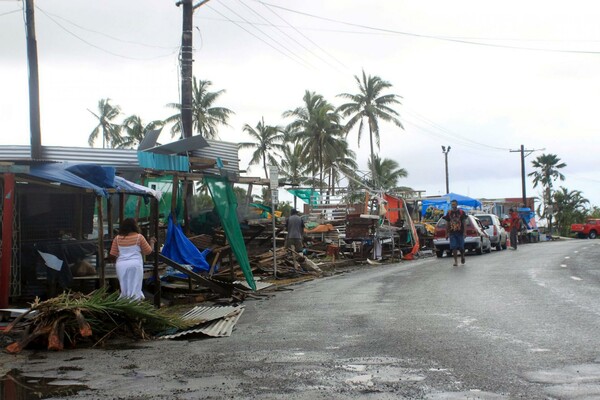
{"x":440,"y":233}
{"x":471,"y":232}
{"x":495,"y":230}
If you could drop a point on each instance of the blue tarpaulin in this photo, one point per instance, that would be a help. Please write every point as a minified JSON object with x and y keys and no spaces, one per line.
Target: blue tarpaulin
{"x":178,"y":248}
{"x":88,"y":176}
{"x":443,"y":202}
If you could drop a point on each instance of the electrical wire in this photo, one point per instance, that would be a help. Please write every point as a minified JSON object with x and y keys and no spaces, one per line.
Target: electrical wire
{"x":306,"y":37}
{"x":256,"y":36}
{"x":9,"y":12}
{"x":109,"y":36}
{"x":289,"y":36}
{"x":442,"y":38}
{"x":100,"y":48}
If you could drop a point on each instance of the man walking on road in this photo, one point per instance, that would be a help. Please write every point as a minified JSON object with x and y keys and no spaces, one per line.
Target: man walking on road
{"x":515,"y":225}
{"x":456,"y":231}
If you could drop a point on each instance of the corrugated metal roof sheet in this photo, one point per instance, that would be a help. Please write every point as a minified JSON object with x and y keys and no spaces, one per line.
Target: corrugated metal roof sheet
{"x":120,"y":158}
{"x":220,"y":321}
{"x":259,"y":285}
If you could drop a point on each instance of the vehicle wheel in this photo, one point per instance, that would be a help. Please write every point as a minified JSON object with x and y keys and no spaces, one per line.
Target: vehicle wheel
{"x":498,"y":246}
{"x":489,"y":249}
{"x":439,"y":253}
{"x":479,"y":250}
{"x":592,"y":235}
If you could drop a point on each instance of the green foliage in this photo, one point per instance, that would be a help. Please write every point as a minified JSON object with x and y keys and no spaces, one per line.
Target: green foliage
{"x":570,"y":208}
{"x":268,"y":139}
{"x":110,"y":131}
{"x":200,"y":202}
{"x":370,"y":105}
{"x":206,"y":118}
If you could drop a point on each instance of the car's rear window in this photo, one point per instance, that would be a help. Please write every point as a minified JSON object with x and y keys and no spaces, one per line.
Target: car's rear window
{"x":441,"y":223}
{"x":485,"y":220}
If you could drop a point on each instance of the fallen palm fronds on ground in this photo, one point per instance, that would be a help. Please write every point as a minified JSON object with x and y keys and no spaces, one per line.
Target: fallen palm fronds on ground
{"x":72,"y":318}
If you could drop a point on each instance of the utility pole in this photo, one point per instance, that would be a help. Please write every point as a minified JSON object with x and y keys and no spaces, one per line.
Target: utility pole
{"x":522,"y":150}
{"x":446,"y":151}
{"x":187,"y":76}
{"x":34,"y":83}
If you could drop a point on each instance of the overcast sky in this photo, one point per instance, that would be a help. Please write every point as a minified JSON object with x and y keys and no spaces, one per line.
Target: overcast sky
{"x":481,"y":77}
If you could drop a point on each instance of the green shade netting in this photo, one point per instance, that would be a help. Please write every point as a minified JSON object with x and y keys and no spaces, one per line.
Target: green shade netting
{"x":165,"y":185}
{"x":306,"y":195}
{"x":225,"y":201}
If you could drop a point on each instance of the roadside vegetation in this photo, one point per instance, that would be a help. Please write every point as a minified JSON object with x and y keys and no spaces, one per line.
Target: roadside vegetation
{"x":311,"y":149}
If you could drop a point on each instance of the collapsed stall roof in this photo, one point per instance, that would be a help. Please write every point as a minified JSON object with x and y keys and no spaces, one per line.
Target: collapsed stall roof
{"x":101,"y":180}
{"x":443,"y":202}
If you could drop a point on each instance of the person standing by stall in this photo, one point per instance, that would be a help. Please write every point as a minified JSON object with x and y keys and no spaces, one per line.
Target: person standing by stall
{"x":455,"y":231}
{"x":295,"y":231}
{"x":515,"y":226}
{"x":129,"y":247}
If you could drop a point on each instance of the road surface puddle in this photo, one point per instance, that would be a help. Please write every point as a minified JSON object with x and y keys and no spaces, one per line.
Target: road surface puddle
{"x":581,"y":381}
{"x":16,"y":385}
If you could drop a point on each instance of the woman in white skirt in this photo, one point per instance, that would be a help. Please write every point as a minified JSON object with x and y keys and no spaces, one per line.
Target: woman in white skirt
{"x":129,"y":247}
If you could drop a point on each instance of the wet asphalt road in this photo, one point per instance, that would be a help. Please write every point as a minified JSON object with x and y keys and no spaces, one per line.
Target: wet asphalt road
{"x":508,"y":325}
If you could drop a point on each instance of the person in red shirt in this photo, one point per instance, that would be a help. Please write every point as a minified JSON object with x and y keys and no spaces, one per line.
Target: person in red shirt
{"x":515,"y":226}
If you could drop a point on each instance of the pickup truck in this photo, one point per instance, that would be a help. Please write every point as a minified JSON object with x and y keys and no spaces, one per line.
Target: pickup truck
{"x":590,"y":229}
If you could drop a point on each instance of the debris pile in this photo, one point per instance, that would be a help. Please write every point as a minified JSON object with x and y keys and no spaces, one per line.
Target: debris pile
{"x":74,"y":318}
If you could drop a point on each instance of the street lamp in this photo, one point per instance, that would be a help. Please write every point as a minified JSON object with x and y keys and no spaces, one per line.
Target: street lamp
{"x":446,"y":151}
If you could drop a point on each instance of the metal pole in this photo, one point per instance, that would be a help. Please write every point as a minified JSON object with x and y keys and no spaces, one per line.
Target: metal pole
{"x":446,"y":151}
{"x":274,"y":239}
{"x":523,"y":175}
{"x":7,"y":234}
{"x":34,"y":84}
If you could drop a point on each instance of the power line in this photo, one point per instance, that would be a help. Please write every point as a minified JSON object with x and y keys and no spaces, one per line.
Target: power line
{"x":109,"y":36}
{"x":447,"y":39}
{"x":98,"y":47}
{"x":447,"y":134}
{"x":301,"y":62}
{"x":306,"y":37}
{"x":288,"y":36}
{"x":9,"y":12}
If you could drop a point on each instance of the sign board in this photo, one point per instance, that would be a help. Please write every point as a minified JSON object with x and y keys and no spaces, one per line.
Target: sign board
{"x":273,"y":177}
{"x":275,"y":196}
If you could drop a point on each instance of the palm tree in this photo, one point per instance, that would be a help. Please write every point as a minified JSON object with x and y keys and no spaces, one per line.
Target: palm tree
{"x":317,"y":129}
{"x":135,"y":131}
{"x":206,"y":118}
{"x":291,"y":168}
{"x":548,"y":166}
{"x":370,"y":105}
{"x":388,"y":171}
{"x":570,"y":208}
{"x":267,"y":138}
{"x":111,"y":135}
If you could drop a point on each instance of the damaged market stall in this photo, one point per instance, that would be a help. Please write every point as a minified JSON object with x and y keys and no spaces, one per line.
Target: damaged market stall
{"x":53,"y":229}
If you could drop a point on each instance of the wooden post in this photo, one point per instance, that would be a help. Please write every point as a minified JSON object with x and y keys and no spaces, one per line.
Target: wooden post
{"x":7,"y":234}
{"x":101,"y":242}
{"x":187,"y":191}
{"x":154,"y":229}
{"x":174,"y":195}
{"x":121,"y":208}
{"x":109,"y":216}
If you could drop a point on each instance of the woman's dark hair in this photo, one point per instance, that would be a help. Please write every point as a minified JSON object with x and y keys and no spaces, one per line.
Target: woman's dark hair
{"x":127,"y":226}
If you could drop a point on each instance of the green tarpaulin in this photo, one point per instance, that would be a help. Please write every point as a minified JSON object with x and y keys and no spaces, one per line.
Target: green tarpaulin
{"x":223,"y":196}
{"x":306,"y":195}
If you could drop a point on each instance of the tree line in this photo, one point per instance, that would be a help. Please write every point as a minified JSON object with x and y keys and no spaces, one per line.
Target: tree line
{"x":311,"y":150}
